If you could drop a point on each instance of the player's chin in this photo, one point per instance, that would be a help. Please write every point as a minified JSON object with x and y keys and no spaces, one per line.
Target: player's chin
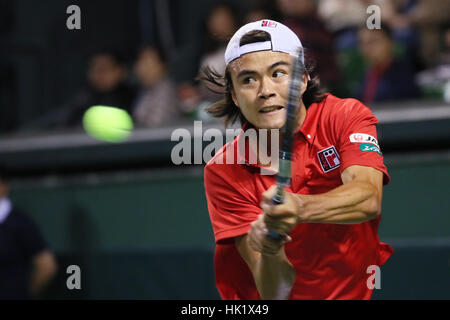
{"x":275,"y":122}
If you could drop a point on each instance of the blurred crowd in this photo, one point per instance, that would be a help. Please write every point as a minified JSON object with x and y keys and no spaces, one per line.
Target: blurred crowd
{"x":408,"y":57}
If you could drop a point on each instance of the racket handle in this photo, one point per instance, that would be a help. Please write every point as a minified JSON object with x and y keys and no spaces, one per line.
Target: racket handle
{"x":275,"y":235}
{"x":278,"y":198}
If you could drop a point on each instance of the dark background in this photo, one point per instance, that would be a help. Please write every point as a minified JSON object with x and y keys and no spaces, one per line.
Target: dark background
{"x":137,"y":225}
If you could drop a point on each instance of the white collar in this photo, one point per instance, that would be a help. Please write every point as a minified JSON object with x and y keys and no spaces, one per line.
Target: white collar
{"x":5,"y":208}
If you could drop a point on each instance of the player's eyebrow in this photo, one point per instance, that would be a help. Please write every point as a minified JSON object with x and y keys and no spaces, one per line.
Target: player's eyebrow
{"x":245,"y":73}
{"x":251,"y":72}
{"x":279,"y":63}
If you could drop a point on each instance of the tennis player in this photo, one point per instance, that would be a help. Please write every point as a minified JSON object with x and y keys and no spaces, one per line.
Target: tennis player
{"x":332,"y":208}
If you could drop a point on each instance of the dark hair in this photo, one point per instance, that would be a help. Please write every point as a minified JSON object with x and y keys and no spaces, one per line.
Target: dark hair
{"x":115,"y":55}
{"x":158,"y":50}
{"x":222,"y":84}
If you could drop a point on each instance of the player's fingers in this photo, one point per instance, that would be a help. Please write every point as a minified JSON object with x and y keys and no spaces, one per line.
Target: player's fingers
{"x":268,"y":194}
{"x":279,"y":228}
{"x":259,"y":222}
{"x":270,"y":246}
{"x":280,"y":225}
{"x":279,"y":211}
{"x":266,"y":207}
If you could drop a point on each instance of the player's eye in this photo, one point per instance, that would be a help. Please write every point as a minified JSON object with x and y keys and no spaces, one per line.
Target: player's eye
{"x":248,"y":80}
{"x":279,"y":73}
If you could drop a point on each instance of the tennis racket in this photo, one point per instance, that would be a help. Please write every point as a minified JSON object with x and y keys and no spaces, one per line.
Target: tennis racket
{"x":284,"y":173}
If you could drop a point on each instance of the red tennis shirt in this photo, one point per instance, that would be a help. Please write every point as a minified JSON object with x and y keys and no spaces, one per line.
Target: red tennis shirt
{"x":330,"y":260}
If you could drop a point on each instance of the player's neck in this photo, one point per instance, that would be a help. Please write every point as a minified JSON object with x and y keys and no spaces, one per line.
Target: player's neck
{"x":268,"y":141}
{"x":301,"y":117}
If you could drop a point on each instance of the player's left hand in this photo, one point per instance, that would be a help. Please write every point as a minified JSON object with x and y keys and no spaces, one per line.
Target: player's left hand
{"x":258,"y":240}
{"x":284,"y":217}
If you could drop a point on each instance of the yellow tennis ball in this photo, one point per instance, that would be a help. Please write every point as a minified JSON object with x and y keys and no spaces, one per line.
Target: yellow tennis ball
{"x":107,"y":123}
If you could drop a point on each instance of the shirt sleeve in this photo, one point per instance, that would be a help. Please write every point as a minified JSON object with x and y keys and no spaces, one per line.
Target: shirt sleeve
{"x":357,"y":138}
{"x":231,"y":208}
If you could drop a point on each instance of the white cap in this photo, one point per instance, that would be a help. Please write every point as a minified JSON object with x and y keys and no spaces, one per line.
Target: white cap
{"x":283,"y":39}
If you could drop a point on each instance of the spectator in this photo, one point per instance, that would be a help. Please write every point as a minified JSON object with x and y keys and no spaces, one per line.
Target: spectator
{"x":26,"y":263}
{"x":444,"y":55}
{"x":388,"y":77}
{"x":428,"y":17}
{"x":260,"y":9}
{"x":435,"y":81}
{"x":106,"y":76}
{"x":419,"y":22}
{"x":343,"y":18}
{"x":157,"y":102}
{"x":220,"y":25}
{"x":302,"y":18}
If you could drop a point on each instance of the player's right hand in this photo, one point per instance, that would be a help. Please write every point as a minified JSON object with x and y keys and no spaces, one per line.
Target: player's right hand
{"x":259,"y":241}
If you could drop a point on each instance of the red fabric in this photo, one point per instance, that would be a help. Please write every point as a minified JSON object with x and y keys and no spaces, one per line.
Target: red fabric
{"x":331,"y":260}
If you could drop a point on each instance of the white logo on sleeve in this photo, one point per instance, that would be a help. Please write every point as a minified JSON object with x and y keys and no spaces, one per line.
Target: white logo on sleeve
{"x":363,"y":138}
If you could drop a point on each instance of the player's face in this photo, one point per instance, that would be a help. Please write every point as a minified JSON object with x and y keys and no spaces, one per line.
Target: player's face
{"x":260,"y":87}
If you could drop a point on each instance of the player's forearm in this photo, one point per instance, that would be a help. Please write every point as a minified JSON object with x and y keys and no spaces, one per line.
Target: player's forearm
{"x":274,"y":276}
{"x":44,"y":268}
{"x":354,"y":202}
{"x":39,"y":279}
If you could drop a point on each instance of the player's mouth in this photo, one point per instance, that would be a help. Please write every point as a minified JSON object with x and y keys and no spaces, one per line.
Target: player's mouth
{"x":271,"y":109}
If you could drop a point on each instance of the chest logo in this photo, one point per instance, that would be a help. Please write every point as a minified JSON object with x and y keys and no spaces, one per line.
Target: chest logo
{"x":329,"y":159}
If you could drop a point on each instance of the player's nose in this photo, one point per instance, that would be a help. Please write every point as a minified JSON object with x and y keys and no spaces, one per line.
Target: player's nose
{"x":267,"y":89}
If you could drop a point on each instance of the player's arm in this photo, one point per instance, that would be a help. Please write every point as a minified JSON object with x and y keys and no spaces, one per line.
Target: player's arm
{"x":357,"y":200}
{"x":273,"y":273}
{"x":44,"y":269}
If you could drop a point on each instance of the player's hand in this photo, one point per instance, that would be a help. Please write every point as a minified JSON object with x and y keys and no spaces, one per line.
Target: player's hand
{"x":259,"y":241}
{"x":281,"y":218}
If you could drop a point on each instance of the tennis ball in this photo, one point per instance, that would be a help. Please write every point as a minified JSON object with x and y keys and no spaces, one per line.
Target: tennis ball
{"x":107,"y":123}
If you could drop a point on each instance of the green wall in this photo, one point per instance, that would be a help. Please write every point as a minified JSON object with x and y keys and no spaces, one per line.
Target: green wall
{"x":147,"y":235}
{"x":155,"y":213}
{"x":417,"y":201}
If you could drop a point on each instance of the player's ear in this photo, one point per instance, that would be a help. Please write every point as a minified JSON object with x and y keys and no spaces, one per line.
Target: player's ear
{"x":233,"y":97}
{"x":305,"y":82}
{"x":229,"y":78}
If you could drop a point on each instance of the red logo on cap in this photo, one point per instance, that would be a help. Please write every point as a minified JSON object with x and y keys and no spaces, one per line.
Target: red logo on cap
{"x":359,"y":138}
{"x":268,"y":23}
